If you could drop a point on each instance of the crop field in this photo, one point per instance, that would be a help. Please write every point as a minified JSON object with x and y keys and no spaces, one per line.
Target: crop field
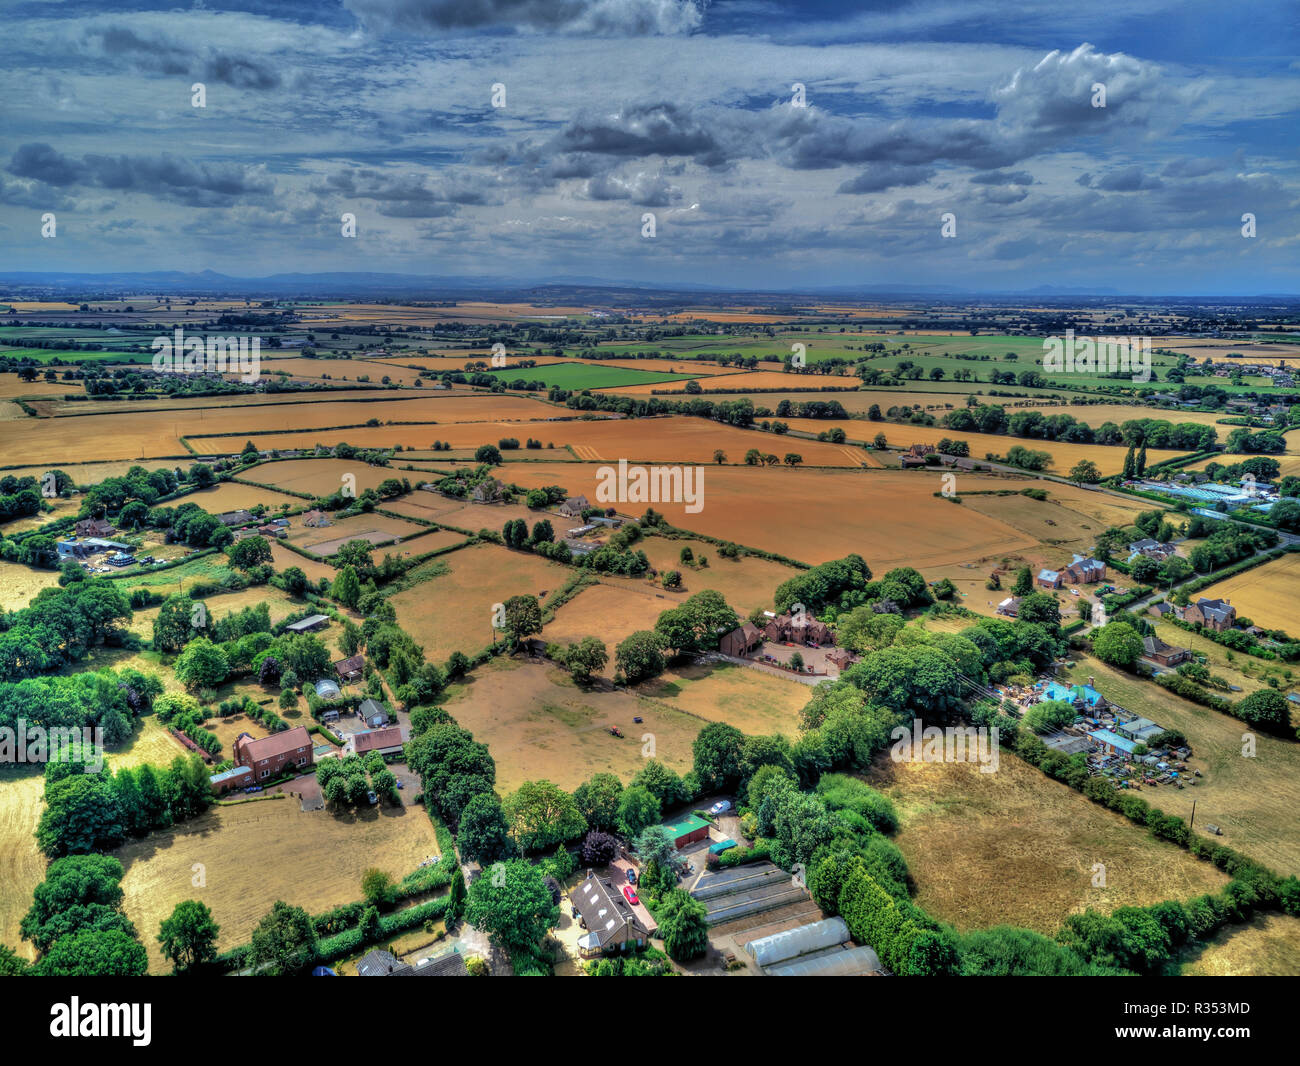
{"x":287,"y":841}
{"x":587,"y":375}
{"x":448,"y":511}
{"x":320,"y":477}
{"x":282,"y":558}
{"x":377,"y":528}
{"x":1265,"y":595}
{"x":453,"y":610}
{"x":19,"y":584}
{"x":1015,"y":847}
{"x":891,"y":517}
{"x":759,"y":380}
{"x":1253,"y":799}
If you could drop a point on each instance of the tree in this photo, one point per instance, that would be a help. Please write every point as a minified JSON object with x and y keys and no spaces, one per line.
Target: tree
{"x":662,"y":782}
{"x":717,"y":756}
{"x":94,"y":953}
{"x":513,"y":905}
{"x":377,"y":887}
{"x":637,"y":810}
{"x":719,"y":456}
{"x":598,"y":849}
{"x":202,"y":665}
{"x":483,"y":835}
{"x":540,"y":815}
{"x":684,"y":926}
{"x":1117,"y":643}
{"x":347,"y":587}
{"x":1265,"y":709}
{"x":284,"y":942}
{"x":189,"y":937}
{"x":1024,"y":582}
{"x":1085,"y":472}
{"x":585,"y":658}
{"x":640,"y":656}
{"x":249,"y":552}
{"x":597,"y":800}
{"x":796,"y":662}
{"x":523,"y":618}
{"x":174,"y":624}
{"x":488,"y":453}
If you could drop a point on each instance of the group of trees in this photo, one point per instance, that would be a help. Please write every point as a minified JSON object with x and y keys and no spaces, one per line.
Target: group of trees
{"x":344,"y":782}
{"x":60,"y":626}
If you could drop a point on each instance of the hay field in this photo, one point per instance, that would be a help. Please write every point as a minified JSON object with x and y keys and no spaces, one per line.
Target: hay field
{"x":253,"y":854}
{"x":1266,"y":595}
{"x":744,"y":583}
{"x":1267,"y":946}
{"x":321,"y":477}
{"x":1015,"y":847}
{"x":448,"y":511}
{"x":232,"y":496}
{"x":19,"y":584}
{"x":326,"y":540}
{"x":890,"y":517}
{"x":93,"y":473}
{"x":452,"y":610}
{"x":20,"y":810}
{"x":1253,"y":800}
{"x":610,"y":612}
{"x":282,"y":558}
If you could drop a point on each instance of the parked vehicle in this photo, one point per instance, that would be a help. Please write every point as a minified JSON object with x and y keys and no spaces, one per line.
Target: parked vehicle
{"x":721,"y":846}
{"x":721,"y":807}
{"x":629,"y":893}
{"x":631,"y":876}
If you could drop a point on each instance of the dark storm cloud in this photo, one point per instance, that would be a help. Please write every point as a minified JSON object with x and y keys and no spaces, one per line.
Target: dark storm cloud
{"x":161,"y":55}
{"x":1003,"y":177}
{"x":624,"y":18}
{"x":409,"y":195}
{"x":165,"y":176}
{"x":887,"y":176}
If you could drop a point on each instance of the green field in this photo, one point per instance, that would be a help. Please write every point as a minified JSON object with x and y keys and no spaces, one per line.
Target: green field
{"x":584,"y":376}
{"x":46,"y":355}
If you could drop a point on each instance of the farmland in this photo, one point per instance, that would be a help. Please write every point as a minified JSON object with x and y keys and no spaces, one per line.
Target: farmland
{"x":1264,"y":594}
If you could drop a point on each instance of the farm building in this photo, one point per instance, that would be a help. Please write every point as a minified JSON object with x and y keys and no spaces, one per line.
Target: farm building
{"x":1010,"y":606}
{"x":269,"y":755}
{"x":1049,"y":579}
{"x":488,"y":491}
{"x":306,"y":625}
{"x":235,"y":518}
{"x":350,"y":669}
{"x":93,"y":527}
{"x":611,"y":924}
{"x":374,"y":714}
{"x":1140,"y":730}
{"x":228,"y":780}
{"x":741,"y":641}
{"x":316,"y":518}
{"x":1113,"y":743}
{"x":840,"y":658}
{"x":388,"y":742}
{"x":687,"y":830}
{"x":910,"y":462}
{"x":574,"y":506}
{"x":1152,"y":549}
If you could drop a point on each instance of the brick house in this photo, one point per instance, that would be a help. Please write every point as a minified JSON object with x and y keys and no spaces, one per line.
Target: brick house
{"x":1084,"y":571}
{"x":270,"y":755}
{"x":1158,"y":651}
{"x":574,"y":506}
{"x":93,"y":527}
{"x":388,"y":742}
{"x":1218,"y":615}
{"x":1049,"y":579}
{"x":741,"y":641}
{"x":783,"y":627}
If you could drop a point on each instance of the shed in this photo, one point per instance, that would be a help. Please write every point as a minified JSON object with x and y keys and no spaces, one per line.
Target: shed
{"x":306,"y":625}
{"x":687,"y":830}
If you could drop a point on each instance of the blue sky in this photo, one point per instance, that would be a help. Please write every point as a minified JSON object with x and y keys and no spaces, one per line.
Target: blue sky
{"x":615,"y":109}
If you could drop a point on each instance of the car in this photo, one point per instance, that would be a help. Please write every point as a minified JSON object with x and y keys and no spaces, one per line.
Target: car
{"x":399,"y":783}
{"x":631,"y":876}
{"x":253,"y":788}
{"x":721,"y":807}
{"x":629,"y":894}
{"x":721,"y":846}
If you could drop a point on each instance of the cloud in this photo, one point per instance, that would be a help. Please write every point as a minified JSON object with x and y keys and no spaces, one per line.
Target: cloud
{"x":612,"y":18}
{"x":887,"y":176}
{"x":163,"y":55}
{"x":164,"y":176}
{"x":643,"y":189}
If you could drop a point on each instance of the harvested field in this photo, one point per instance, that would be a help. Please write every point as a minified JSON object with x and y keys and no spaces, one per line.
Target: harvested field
{"x":1015,"y":847}
{"x":1267,"y":946}
{"x":287,"y":842}
{"x":892,"y":518}
{"x":321,"y":477}
{"x":232,"y":496}
{"x":1266,"y":595}
{"x":282,"y":558}
{"x":378,"y":529}
{"x":671,"y":439}
{"x":452,"y":611}
{"x":84,"y":474}
{"x":19,"y":584}
{"x":611,"y":612}
{"x":20,"y":809}
{"x":1253,"y":799}
{"x":1110,"y":460}
{"x":449,"y":511}
{"x":745,"y":583}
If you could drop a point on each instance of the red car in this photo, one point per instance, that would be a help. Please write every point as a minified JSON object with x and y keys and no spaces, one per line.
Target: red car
{"x":629,"y":894}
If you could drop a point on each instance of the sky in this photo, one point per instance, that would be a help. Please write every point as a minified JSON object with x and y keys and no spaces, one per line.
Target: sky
{"x":770,"y":145}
